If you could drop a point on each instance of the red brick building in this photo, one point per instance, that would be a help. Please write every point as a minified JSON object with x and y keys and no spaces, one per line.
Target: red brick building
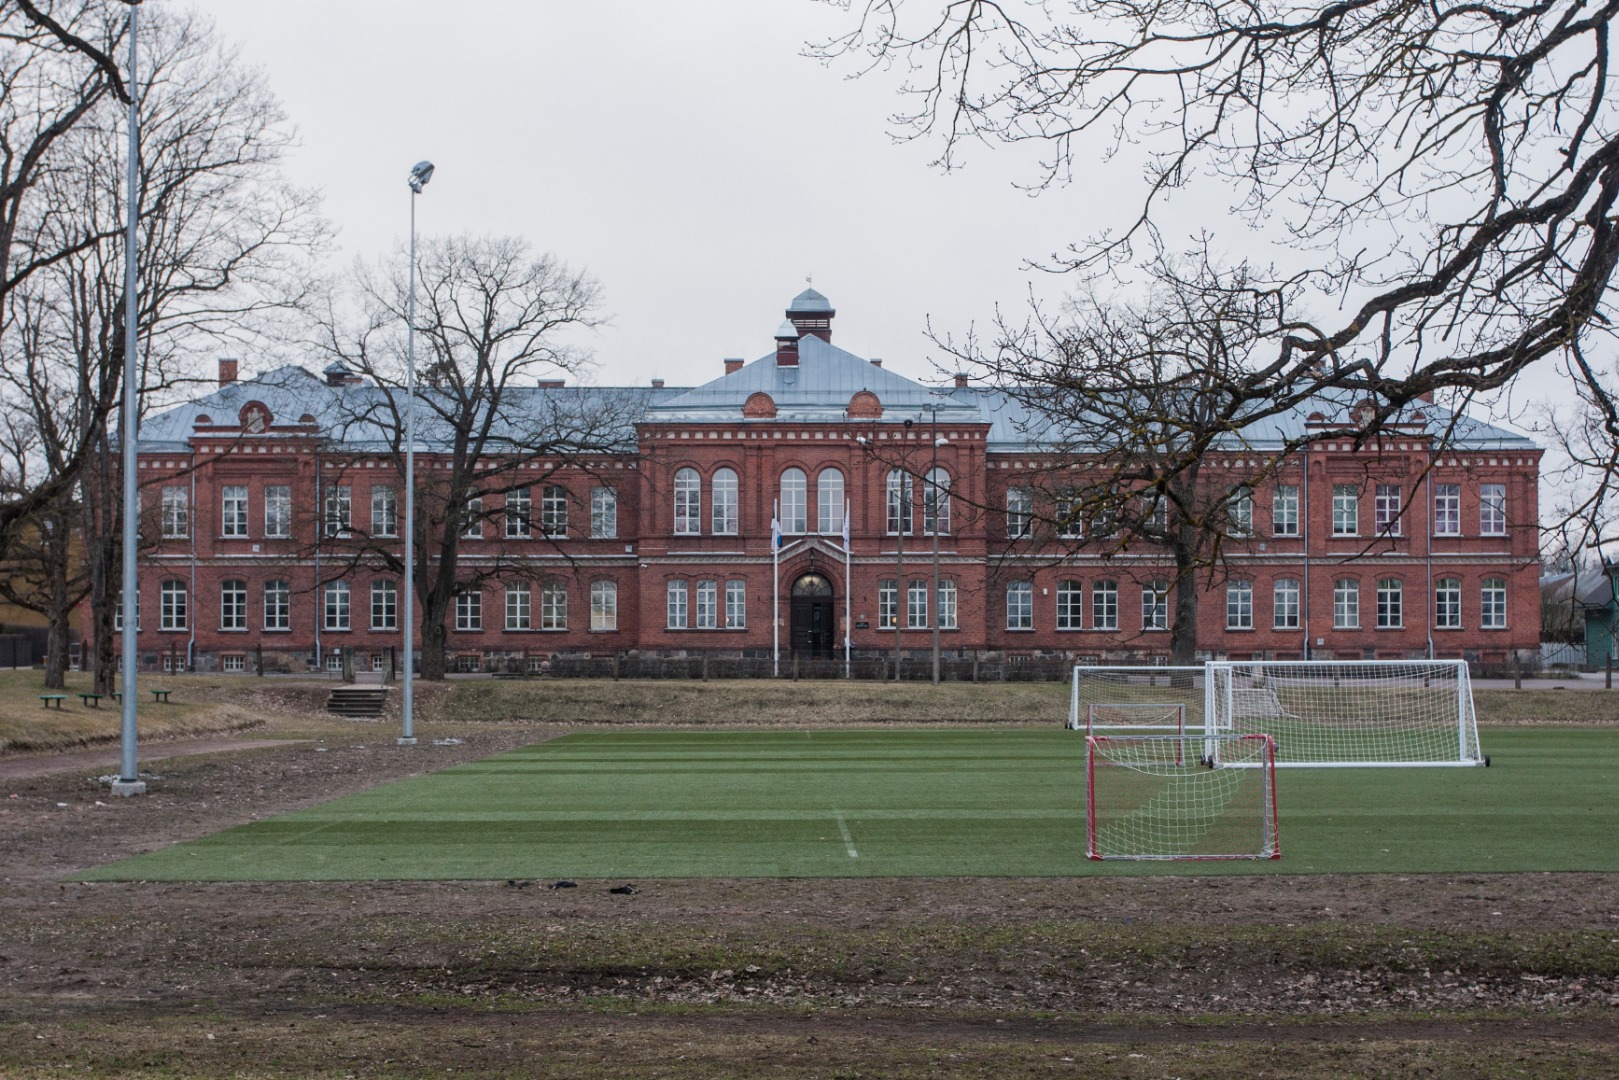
{"x":261,"y":496}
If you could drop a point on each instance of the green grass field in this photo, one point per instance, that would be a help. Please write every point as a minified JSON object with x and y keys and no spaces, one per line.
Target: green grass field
{"x":840,"y":803}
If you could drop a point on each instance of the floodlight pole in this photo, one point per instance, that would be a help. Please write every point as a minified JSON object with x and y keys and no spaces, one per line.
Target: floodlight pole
{"x":420,"y":174}
{"x":129,"y":781}
{"x":933,"y":485}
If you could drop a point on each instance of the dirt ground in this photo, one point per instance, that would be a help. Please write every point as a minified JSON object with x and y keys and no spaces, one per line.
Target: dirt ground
{"x":1510,"y":975}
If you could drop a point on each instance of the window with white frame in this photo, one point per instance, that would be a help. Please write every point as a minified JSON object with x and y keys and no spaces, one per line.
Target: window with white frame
{"x":1492,"y":606}
{"x":1345,"y":510}
{"x":118,"y":613}
{"x":1155,"y":606}
{"x":1104,"y":605}
{"x":688,"y":502}
{"x":469,"y":610}
{"x":176,"y":513}
{"x":1447,"y":509}
{"x":233,"y":662}
{"x":947,"y":605}
{"x":339,"y":509}
{"x":554,"y":605}
{"x":736,"y":604}
{"x":1386,"y":509}
{"x":901,"y":491}
{"x":384,"y":511}
{"x":277,"y":605}
{"x":723,"y":503}
{"x":916,"y":605}
{"x":1285,"y":604}
{"x":554,"y":510}
{"x":708,"y":601}
{"x":233,"y":604}
{"x":829,"y":502}
{"x":1019,"y":513}
{"x":519,"y":608}
{"x":1492,"y":509}
{"x":336,"y":608}
{"x":603,"y":513}
{"x":1447,"y":601}
{"x":233,"y":510}
{"x":1239,"y":605}
{"x":1240,"y":512}
{"x":384,"y":605}
{"x":1390,"y":603}
{"x":936,"y":503}
{"x":794,"y":493}
{"x":887,"y":604}
{"x":519,"y":512}
{"x":676,"y":591}
{"x":1284,"y":510}
{"x":1154,"y":512}
{"x":1020,"y":605}
{"x":1346,"y":604}
{"x":1070,"y":508}
{"x":278,"y":511}
{"x":472,"y":519}
{"x":172,"y":610}
{"x":1070,"y":605}
{"x":604,"y":605}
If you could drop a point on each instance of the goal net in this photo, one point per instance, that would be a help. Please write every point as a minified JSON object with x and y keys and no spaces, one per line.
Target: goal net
{"x":1144,"y":700}
{"x":1349,"y":712}
{"x":1160,"y":797}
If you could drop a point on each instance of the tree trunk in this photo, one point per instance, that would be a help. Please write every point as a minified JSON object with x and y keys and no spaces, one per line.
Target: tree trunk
{"x":1183,"y":628}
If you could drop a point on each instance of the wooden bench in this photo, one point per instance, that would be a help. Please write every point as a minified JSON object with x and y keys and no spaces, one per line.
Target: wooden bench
{"x":51,"y":700}
{"x":91,"y":699}
{"x":160,"y":695}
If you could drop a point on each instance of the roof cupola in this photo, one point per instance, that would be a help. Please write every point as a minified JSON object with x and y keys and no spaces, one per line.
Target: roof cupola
{"x":812,"y":313}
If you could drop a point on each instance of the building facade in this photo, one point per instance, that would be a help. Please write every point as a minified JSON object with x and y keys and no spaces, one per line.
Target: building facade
{"x":805,"y":501}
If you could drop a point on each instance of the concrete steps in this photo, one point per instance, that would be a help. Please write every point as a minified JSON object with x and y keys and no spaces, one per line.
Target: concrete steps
{"x":358,"y":702}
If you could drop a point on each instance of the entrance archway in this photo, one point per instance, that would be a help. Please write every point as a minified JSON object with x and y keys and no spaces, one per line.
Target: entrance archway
{"x":814,"y":628}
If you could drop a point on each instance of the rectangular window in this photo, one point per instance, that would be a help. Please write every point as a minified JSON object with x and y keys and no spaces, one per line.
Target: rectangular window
{"x":1492,"y":608}
{"x":1346,"y":604}
{"x":901,"y":496}
{"x":519,"y":615}
{"x":1070,"y":605}
{"x":1155,"y":606}
{"x":1447,"y":509}
{"x":1285,"y":604}
{"x":1104,"y":605}
{"x":384,"y":605}
{"x":554,"y":606}
{"x":233,"y":510}
{"x":384,"y":511}
{"x":1070,"y":525}
{"x":519,"y":509}
{"x":887,"y":604}
{"x":603,"y":513}
{"x":472,"y":519}
{"x":916,"y":605}
{"x":277,"y":605}
{"x":603,"y":604}
{"x":233,"y":605}
{"x":1386,"y":509}
{"x":1390,"y":604}
{"x":336,"y":616}
{"x":1447,"y":598}
{"x":176,"y":513}
{"x":947,"y":605}
{"x":1284,"y":510}
{"x":339,"y":509}
{"x":1020,"y":606}
{"x":233,"y":662}
{"x":118,"y":614}
{"x":1345,"y":510}
{"x":1019,"y":513}
{"x":677,"y":605}
{"x":172,"y":609}
{"x":1155,"y":513}
{"x":736,"y":604}
{"x":469,"y":611}
{"x":554,"y":510}
{"x":708,"y":599}
{"x":1240,"y":512}
{"x":278,"y":511}
{"x":1239,"y":605}
{"x":1492,"y":510}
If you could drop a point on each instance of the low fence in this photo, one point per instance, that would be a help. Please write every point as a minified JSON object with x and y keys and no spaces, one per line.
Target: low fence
{"x":911,"y":669}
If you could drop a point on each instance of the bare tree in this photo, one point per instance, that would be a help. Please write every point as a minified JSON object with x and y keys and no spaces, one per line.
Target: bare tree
{"x":492,"y":319}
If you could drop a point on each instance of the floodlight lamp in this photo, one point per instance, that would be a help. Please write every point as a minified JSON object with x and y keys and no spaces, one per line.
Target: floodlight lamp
{"x":420,"y":174}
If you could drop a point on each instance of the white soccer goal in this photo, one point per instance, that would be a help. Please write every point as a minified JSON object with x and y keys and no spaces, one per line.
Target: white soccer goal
{"x":1142,"y":699}
{"x":1159,"y":797}
{"x":1350,"y":713}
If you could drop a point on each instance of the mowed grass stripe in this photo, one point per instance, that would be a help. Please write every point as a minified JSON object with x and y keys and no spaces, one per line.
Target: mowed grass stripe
{"x":910,"y":802}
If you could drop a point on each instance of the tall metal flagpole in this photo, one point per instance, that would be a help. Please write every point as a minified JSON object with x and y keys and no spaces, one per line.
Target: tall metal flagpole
{"x":848,"y":587}
{"x":129,"y":781}
{"x":420,"y":174}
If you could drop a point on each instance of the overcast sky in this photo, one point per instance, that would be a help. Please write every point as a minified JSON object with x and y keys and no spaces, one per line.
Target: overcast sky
{"x":687,"y":154}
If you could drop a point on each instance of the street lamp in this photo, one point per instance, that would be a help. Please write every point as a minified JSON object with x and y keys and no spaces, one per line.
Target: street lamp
{"x":420,"y":174}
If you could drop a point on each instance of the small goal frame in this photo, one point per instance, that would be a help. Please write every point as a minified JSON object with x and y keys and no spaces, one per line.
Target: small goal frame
{"x":1167,"y":716}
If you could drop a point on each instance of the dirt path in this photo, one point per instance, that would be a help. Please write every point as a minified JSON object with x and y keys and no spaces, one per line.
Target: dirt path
{"x":101,"y":759}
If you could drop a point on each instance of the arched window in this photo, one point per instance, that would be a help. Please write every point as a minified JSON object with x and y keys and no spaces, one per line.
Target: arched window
{"x":900,"y":497}
{"x":829,"y":502}
{"x":724,"y":505}
{"x":936,"y":503}
{"x":688,"y":502}
{"x":794,"y":514}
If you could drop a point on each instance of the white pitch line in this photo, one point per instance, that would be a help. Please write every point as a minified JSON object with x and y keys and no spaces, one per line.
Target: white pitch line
{"x":848,"y":841}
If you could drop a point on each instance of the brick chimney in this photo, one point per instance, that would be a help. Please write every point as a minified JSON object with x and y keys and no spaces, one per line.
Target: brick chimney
{"x":227,"y":372}
{"x":876,"y":361}
{"x":657,"y":384}
{"x":787,"y":345}
{"x":552,"y":384}
{"x":732,"y":365}
{"x":961,"y":380}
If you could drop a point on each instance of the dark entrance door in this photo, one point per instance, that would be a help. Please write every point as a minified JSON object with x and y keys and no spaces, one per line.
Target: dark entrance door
{"x":814,"y":630}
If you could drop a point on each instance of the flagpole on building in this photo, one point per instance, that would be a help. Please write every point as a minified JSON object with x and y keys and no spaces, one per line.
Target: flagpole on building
{"x":775,"y":589}
{"x":848,"y":587}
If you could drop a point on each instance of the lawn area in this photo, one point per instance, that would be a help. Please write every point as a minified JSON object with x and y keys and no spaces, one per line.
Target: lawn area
{"x":912,"y":802}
